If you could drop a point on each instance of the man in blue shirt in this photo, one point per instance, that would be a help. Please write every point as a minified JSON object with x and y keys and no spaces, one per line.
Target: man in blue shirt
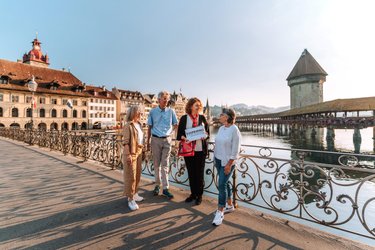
{"x":162,"y":120}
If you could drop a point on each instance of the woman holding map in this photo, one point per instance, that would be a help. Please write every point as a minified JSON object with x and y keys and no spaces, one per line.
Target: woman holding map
{"x":195,"y":164}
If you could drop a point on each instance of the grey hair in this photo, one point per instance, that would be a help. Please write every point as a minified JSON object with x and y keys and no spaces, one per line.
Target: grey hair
{"x":132,"y":112}
{"x":162,"y":93}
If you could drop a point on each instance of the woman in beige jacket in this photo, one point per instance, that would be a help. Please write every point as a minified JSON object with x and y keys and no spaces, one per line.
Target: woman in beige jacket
{"x":132,"y":158}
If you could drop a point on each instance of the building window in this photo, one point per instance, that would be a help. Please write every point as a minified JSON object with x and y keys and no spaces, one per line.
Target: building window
{"x":42,"y":100}
{"x":53,"y":113}
{"x":101,"y":101}
{"x":1,"y":97}
{"x":3,"y":80}
{"x":100,"y":108}
{"x":75,"y":103}
{"x":91,"y":100}
{"x":65,"y":113}
{"x":28,"y":99}
{"x":96,"y":115}
{"x":1,"y":112}
{"x":75,"y":113}
{"x":84,"y":103}
{"x":42,"y":113}
{"x":64,"y":101}
{"x":53,"y":101}
{"x":15,"y":98}
{"x":84,"y":114}
{"x":14,"y":112}
{"x":91,"y":108}
{"x":29,"y":112}
{"x":91,"y":115}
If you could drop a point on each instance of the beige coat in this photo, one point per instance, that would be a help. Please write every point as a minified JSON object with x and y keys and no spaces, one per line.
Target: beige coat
{"x":130,"y":139}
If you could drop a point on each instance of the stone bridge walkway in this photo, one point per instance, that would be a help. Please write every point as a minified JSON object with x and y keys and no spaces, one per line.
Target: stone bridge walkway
{"x":51,"y":201}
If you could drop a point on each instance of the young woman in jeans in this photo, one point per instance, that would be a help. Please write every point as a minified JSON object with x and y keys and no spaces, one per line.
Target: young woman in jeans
{"x":227,"y":149}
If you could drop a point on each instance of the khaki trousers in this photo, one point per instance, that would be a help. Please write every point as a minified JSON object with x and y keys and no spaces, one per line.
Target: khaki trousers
{"x":161,"y":149}
{"x":132,"y":173}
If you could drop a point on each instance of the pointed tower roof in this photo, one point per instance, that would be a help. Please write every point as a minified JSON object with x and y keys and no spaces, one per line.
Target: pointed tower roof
{"x":306,"y":65}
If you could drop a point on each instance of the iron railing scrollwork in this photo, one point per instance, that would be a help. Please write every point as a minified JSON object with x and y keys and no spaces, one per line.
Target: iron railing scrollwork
{"x":329,"y":188}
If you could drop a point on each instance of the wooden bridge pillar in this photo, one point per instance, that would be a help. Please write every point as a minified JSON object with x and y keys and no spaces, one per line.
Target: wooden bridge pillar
{"x":313,"y":132}
{"x":357,"y":140}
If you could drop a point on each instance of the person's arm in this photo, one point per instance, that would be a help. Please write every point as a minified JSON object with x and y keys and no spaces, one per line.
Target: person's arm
{"x":148,"y":138}
{"x":174,"y":120}
{"x":149,"y":123}
{"x":181,"y":129}
{"x":127,"y":155}
{"x":235,"y":150}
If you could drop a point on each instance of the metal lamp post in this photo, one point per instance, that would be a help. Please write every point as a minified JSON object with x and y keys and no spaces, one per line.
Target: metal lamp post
{"x":32,"y":86}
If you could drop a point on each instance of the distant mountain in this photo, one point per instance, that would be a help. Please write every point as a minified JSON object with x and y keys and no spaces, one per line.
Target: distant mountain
{"x":243,"y":109}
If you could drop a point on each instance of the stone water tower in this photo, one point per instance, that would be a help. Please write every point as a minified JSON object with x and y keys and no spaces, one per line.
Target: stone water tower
{"x":306,"y":82}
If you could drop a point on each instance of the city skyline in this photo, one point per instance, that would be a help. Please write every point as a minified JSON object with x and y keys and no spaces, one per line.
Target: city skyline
{"x":230,"y":53}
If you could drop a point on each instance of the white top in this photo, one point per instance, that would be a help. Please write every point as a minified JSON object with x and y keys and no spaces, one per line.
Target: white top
{"x":198,"y":143}
{"x":227,"y":144}
{"x":140,"y":133}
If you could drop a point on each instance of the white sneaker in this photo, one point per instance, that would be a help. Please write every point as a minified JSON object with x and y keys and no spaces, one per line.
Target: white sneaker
{"x":133,"y":205}
{"x":137,"y":197}
{"x":228,"y":209}
{"x":219,"y":217}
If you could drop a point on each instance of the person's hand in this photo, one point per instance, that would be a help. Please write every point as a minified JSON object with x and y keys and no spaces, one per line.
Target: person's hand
{"x":184,"y":138}
{"x":227,"y":169}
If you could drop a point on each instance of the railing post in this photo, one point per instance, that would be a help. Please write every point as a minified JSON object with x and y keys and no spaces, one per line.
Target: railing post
{"x":113,"y":151}
{"x":234,"y":188}
{"x":85,"y":148}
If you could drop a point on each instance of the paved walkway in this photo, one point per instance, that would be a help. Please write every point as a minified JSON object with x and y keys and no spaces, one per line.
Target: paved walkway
{"x":51,"y":201}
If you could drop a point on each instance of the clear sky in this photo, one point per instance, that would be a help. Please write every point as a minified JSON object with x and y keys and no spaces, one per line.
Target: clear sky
{"x":229,"y":51}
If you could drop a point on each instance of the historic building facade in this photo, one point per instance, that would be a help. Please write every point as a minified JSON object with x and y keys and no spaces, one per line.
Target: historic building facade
{"x":150,"y":102}
{"x":102,"y":107}
{"x":125,"y":99}
{"x":178,"y":102}
{"x":306,"y":82}
{"x":59,"y":101}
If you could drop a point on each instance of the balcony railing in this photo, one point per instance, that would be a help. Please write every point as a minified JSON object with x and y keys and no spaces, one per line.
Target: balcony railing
{"x":329,"y":188}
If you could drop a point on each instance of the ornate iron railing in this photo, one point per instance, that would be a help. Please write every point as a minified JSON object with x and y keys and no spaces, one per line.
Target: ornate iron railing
{"x":328,"y":188}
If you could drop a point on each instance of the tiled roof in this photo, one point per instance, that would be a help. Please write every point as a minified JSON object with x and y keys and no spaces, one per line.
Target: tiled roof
{"x":147,"y":98}
{"x":22,"y":72}
{"x":306,"y":65}
{"x":101,"y":93}
{"x":42,"y":88}
{"x":128,"y":93}
{"x":338,"y":105}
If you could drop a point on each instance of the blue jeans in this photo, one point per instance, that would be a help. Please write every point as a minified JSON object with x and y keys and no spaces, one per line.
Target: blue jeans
{"x":225,"y":190}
